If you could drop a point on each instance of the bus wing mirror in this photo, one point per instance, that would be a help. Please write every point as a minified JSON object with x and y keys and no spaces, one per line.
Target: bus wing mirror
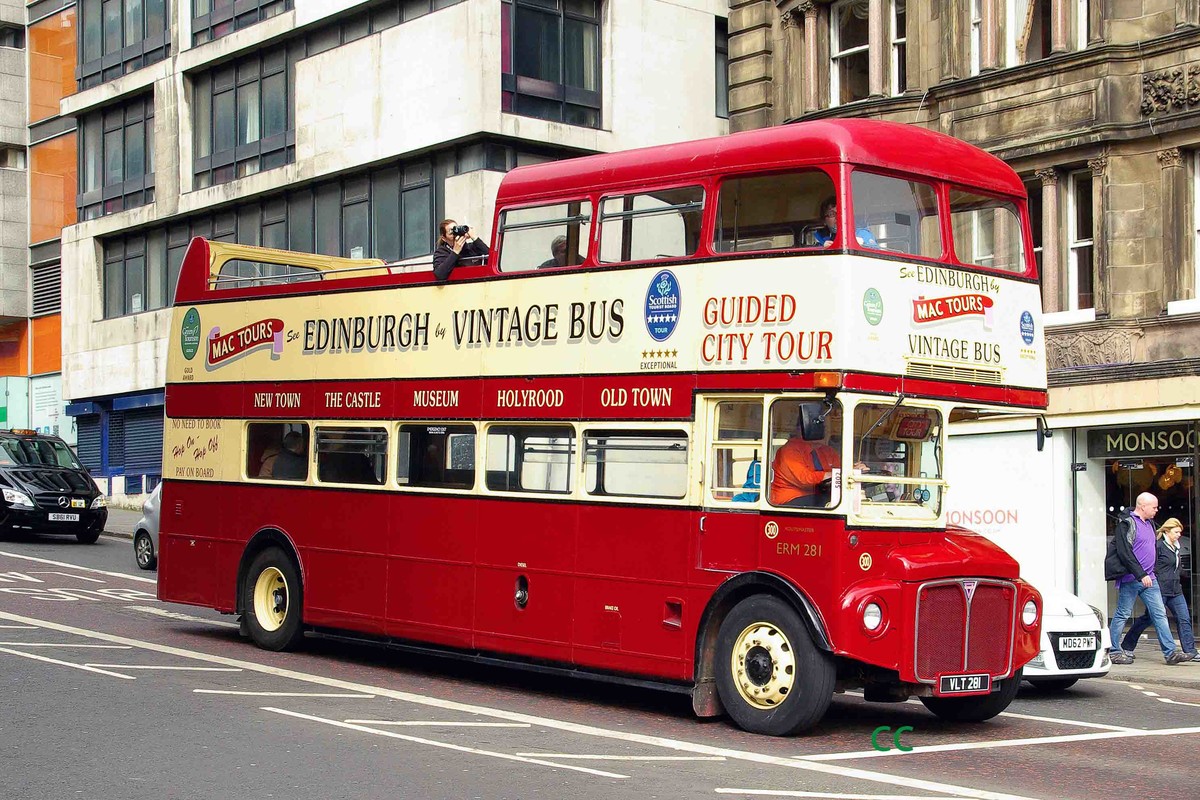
{"x":1043,"y":433}
{"x":812,"y":421}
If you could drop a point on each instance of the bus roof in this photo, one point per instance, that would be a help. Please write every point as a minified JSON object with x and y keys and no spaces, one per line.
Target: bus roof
{"x":871,"y":143}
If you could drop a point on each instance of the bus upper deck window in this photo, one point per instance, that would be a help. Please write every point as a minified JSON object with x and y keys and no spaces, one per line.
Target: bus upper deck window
{"x":900,"y":214}
{"x":771,"y":212}
{"x":987,"y":231}
{"x":658,"y":224}
{"x":544,"y":237}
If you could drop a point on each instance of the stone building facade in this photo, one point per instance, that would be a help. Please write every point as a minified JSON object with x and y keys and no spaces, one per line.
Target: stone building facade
{"x":1096,"y":104}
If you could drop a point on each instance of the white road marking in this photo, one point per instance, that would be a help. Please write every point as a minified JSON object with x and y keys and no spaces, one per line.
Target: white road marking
{"x":446,"y":745}
{"x":85,"y":569}
{"x":1178,"y":702}
{"x":162,"y":612}
{"x":64,"y":574}
{"x":66,"y":664}
{"x":561,"y":725}
{"x":826,"y":795}
{"x":622,"y":758}
{"x":285,"y":694}
{"x":943,"y":748}
{"x":19,"y":627}
{"x":68,"y":644}
{"x":163,"y":666}
{"x":1150,"y":694}
{"x":435,"y":723}
{"x":1015,"y":715}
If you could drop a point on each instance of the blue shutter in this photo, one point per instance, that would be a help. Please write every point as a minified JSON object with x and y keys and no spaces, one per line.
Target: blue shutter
{"x":87,"y":440}
{"x":144,"y":441}
{"x":116,"y":443}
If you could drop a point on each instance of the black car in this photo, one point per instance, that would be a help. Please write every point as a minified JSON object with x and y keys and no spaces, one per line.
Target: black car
{"x":46,"y":489}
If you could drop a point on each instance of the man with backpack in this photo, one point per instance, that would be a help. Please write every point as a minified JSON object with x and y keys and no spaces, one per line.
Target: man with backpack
{"x":1130,"y":562}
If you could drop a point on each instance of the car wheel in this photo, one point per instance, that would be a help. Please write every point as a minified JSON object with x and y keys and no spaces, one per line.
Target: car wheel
{"x":978,"y":708}
{"x":272,"y":600}
{"x":770,"y":676}
{"x":87,"y":537}
{"x":1054,"y":684}
{"x":143,"y":551}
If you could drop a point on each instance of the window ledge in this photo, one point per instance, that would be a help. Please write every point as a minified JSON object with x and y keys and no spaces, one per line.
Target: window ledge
{"x":1055,"y":318}
{"x":1175,"y":307}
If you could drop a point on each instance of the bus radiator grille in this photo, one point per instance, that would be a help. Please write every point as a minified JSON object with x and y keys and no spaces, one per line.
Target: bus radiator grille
{"x":955,"y":635}
{"x":954,"y":372}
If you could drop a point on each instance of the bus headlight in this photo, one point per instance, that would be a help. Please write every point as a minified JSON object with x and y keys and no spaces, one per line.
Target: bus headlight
{"x":872,"y":617}
{"x":18,"y":499}
{"x":1029,"y":614}
{"x":100,"y":502}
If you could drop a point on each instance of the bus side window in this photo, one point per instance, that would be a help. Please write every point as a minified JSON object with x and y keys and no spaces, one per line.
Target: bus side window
{"x":352,"y":455}
{"x":736,"y":451}
{"x":545,"y":237}
{"x":277,"y":450}
{"x":530,"y":458}
{"x":438,"y":456}
{"x":901,"y":214}
{"x":635,"y":463}
{"x":659,"y":224}
{"x":771,"y":212}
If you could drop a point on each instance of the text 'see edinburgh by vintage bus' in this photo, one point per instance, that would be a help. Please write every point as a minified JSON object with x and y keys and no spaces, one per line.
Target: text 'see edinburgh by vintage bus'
{"x":704,"y":449}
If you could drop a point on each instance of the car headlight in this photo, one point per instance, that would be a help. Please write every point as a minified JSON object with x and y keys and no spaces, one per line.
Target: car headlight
{"x":100,"y":502}
{"x":872,"y":616}
{"x":1099,"y":615}
{"x":1029,"y":614}
{"x":18,"y":499}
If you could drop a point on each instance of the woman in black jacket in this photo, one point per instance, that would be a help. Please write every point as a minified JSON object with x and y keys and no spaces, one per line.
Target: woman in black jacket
{"x":1166,"y":569}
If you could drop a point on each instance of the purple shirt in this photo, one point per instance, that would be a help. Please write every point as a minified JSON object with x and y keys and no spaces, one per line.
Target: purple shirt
{"x":1143,"y":547}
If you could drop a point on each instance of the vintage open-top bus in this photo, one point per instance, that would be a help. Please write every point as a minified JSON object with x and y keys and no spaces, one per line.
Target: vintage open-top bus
{"x":575,"y":464}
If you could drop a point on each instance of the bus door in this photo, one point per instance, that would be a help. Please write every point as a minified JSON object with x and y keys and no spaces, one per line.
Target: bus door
{"x":734,"y":475}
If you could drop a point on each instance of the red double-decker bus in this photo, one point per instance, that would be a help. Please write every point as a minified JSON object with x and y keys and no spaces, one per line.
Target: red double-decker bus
{"x":685,"y":426}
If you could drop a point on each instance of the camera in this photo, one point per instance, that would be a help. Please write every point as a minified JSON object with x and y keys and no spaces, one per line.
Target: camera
{"x":459,"y":230}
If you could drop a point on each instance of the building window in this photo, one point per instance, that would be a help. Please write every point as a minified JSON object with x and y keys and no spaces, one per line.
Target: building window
{"x":212,"y":19}
{"x":1028,"y":31}
{"x":899,"y":47}
{"x":12,"y":157}
{"x":1081,"y":24}
{"x":12,"y":36}
{"x":135,"y":274}
{"x":243,"y":117}
{"x":722,"y":66}
{"x":116,"y":159}
{"x":120,"y":36}
{"x":1079,"y":241}
{"x":976,"y":35}
{"x":849,"y":52}
{"x":1033,"y":192}
{"x":550,"y":59}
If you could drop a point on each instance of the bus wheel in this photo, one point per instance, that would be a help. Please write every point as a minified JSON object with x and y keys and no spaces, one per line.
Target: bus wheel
{"x":978,"y":708}
{"x":770,"y":677}
{"x":273,"y":598}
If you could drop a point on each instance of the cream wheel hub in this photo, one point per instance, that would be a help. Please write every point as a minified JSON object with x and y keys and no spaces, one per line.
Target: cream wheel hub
{"x":270,"y":599}
{"x":763,"y":665}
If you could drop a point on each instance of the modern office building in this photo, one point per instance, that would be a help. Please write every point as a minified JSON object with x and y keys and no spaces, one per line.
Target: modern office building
{"x":1097,"y":104}
{"x":333,"y":127}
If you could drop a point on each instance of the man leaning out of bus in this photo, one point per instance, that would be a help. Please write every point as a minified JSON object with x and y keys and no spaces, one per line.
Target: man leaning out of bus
{"x":456,"y":244}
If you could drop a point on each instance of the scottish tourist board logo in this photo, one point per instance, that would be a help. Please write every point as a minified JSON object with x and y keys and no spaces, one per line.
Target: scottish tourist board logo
{"x":873,"y":306}
{"x":1027,"y":327}
{"x":189,"y":334}
{"x":662,"y":306}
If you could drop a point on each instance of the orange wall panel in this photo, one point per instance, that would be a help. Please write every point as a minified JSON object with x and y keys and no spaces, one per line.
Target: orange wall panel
{"x":47,"y":344}
{"x":14,"y":344}
{"x":52,"y":184}
{"x":52,"y":52}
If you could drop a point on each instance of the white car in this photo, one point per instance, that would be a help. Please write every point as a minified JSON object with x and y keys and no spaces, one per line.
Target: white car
{"x":1075,"y":643}
{"x":145,"y":533}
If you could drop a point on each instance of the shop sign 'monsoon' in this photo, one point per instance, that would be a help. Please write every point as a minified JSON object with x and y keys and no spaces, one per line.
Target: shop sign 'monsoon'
{"x":1148,"y":441}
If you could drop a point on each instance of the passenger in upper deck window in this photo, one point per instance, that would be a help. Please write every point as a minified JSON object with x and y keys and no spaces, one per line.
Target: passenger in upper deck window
{"x":456,"y":245}
{"x":826,"y":236}
{"x":291,"y":462}
{"x":558,"y":249}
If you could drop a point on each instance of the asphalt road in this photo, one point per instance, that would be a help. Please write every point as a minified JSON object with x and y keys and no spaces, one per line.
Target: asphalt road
{"x":108,"y":693}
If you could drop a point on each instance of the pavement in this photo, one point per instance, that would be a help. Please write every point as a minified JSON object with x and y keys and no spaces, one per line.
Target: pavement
{"x":1149,"y":668}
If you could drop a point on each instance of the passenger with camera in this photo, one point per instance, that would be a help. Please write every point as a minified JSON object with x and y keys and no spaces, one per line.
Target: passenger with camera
{"x":456,"y":245}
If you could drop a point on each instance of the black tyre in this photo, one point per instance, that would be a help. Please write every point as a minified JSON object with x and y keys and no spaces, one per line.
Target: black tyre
{"x":1054,"y":684}
{"x":87,"y":537}
{"x":143,"y":551}
{"x":770,"y":676}
{"x":978,"y":708}
{"x":272,"y":600}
